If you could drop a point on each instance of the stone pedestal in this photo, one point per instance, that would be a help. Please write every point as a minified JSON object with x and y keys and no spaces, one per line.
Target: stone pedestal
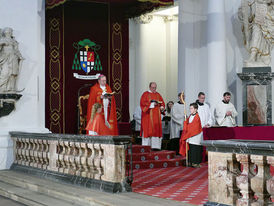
{"x":257,"y":104}
{"x":7,"y":103}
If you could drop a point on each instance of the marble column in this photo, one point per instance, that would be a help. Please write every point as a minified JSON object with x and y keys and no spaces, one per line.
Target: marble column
{"x":216,"y":37}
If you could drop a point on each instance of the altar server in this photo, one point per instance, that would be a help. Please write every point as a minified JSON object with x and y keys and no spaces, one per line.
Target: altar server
{"x":225,"y":112}
{"x":190,"y":142}
{"x":176,"y":124}
{"x":204,"y":111}
{"x":96,"y":125}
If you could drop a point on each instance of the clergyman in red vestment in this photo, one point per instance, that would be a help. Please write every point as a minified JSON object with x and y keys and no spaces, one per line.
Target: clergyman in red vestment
{"x":151,"y":104}
{"x":190,"y":142}
{"x":98,"y":95}
{"x":96,"y":125}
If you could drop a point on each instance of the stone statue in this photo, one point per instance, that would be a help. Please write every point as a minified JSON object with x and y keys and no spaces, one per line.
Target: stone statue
{"x":257,"y":17}
{"x":10,"y":61}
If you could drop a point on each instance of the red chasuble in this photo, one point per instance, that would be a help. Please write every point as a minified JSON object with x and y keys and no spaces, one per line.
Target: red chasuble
{"x":189,"y":130}
{"x":151,"y":124}
{"x":95,"y":97}
{"x":98,"y":125}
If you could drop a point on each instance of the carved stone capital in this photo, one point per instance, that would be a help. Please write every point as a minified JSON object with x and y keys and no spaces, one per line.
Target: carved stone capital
{"x":143,"y":19}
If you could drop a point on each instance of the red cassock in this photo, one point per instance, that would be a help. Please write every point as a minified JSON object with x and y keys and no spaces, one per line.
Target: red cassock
{"x":189,"y":130}
{"x":151,"y":123}
{"x":95,"y":97}
{"x":98,"y":125}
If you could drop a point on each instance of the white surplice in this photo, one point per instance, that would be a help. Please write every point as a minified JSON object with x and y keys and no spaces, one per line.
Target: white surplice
{"x":177,"y":120}
{"x":205,"y":115}
{"x":137,"y":116}
{"x":220,"y":114}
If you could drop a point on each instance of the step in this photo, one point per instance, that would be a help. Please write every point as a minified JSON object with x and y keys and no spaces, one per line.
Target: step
{"x":41,"y":186}
{"x":33,"y":191}
{"x":176,"y":162}
{"x":29,"y":197}
{"x":159,"y":155}
{"x":140,"y":149}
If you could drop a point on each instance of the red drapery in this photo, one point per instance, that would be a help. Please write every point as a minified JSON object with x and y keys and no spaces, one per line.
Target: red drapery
{"x":246,"y":133}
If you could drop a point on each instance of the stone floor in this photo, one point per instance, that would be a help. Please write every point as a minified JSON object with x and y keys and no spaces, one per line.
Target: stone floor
{"x":8,"y":202}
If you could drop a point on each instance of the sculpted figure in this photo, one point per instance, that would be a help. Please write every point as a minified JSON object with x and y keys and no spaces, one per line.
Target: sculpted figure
{"x":10,"y":61}
{"x":257,"y":17}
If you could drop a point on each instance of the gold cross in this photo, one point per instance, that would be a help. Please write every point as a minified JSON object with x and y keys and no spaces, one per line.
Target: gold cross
{"x":87,"y":47}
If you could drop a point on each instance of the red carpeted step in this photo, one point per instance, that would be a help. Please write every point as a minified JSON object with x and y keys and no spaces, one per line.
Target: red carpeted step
{"x":175,"y":162}
{"x":140,"y":149}
{"x":159,"y":155}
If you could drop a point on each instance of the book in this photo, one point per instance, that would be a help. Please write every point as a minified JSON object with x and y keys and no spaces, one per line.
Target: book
{"x":156,"y":101}
{"x":107,"y":95}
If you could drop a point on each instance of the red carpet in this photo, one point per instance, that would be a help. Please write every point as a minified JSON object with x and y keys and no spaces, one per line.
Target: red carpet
{"x":184,"y":184}
{"x":144,"y":158}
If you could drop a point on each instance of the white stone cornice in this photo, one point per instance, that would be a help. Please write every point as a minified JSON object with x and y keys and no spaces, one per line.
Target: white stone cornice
{"x":170,"y":18}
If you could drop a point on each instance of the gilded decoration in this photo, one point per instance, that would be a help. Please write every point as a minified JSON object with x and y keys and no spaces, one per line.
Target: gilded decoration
{"x":55,"y":75}
{"x":117,"y":66}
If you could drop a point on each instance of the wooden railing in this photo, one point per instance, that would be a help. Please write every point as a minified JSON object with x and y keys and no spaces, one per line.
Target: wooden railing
{"x":239,"y":172}
{"x":100,"y":160}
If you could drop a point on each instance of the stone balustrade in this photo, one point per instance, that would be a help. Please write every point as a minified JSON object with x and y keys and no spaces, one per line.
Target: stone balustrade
{"x":239,"y":172}
{"x":95,"y":161}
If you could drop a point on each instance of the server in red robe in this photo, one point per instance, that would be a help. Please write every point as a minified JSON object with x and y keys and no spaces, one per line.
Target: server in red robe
{"x":102,"y":93}
{"x":151,"y":104}
{"x":190,"y":142}
{"x":96,"y":125}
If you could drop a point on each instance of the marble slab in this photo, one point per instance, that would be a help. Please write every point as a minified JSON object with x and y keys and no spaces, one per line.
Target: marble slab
{"x":116,"y":140}
{"x":256,"y":147}
{"x":257,"y":95}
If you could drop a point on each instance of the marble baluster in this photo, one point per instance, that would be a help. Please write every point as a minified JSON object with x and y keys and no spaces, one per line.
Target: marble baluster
{"x":35,"y":153}
{"x":258,"y":182}
{"x":31,"y":153}
{"x":72,"y":163}
{"x":40,"y":153}
{"x":45,"y":154}
{"x":77,"y":159}
{"x":61,"y":152}
{"x":24,"y":152}
{"x":97,"y":161}
{"x":270,"y":181}
{"x":83,"y":159}
{"x":66,"y":157}
{"x":232,"y":172}
{"x":90,"y":160}
{"x":243,"y":181}
{"x":15,"y":149}
{"x":27,"y":154}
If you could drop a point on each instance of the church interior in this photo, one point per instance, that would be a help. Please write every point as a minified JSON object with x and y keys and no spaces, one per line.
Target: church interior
{"x":130,"y":102}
